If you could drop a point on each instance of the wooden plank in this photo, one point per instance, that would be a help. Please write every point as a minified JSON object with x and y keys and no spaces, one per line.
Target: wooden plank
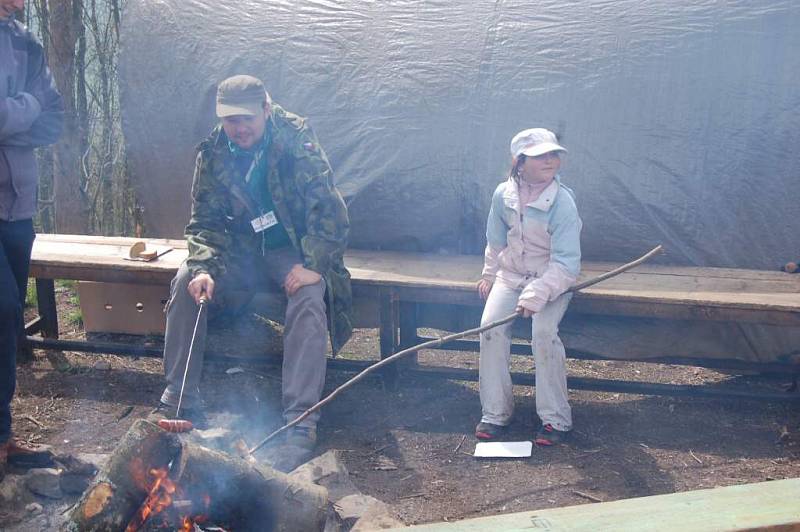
{"x":109,"y":240}
{"x":716,"y":294}
{"x":764,"y":506}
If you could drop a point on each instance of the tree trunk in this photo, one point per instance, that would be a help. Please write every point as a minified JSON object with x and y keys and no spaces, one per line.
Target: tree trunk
{"x":71,"y":207}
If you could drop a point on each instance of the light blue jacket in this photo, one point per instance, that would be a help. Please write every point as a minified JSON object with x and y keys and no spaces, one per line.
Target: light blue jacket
{"x":535,"y":247}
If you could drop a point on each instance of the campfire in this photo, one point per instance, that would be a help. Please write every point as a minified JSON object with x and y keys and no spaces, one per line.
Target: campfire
{"x":166,"y":505}
{"x":157,"y":480}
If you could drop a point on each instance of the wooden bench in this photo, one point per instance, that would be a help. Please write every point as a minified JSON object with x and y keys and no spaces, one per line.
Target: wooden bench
{"x":396,"y":284}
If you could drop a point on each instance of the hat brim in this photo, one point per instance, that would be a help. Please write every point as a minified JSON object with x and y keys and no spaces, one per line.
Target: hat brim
{"x":540,"y":149}
{"x":247,"y":109}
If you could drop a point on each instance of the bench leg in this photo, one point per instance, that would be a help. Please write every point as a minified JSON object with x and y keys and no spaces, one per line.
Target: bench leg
{"x":408,"y":331}
{"x":48,"y":313}
{"x":387,"y":301}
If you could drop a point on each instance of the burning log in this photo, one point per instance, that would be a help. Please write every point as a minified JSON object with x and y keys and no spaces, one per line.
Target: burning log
{"x":122,"y":485}
{"x":155,"y":478}
{"x":242,"y":495}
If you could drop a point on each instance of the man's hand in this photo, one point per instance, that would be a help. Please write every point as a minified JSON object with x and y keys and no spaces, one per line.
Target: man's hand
{"x":299,"y":277}
{"x":522,"y":311}
{"x":201,"y":286}
{"x":484,"y":287}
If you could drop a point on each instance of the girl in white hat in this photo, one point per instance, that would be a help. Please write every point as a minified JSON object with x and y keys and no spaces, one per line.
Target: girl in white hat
{"x":532,"y":257}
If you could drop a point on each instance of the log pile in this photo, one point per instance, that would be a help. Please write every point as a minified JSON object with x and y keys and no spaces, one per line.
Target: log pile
{"x":156,"y":479}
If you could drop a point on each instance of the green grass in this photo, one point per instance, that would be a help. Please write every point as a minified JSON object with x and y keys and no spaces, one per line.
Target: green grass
{"x":64,"y":288}
{"x":72,"y":315}
{"x":30,"y":295}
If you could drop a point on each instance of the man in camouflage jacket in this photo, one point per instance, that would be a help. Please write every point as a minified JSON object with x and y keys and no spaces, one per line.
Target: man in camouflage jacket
{"x":264,"y":208}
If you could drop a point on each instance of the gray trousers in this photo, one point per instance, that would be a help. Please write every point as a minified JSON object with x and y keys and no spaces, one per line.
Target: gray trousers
{"x":497,"y":396}
{"x":304,"y":342}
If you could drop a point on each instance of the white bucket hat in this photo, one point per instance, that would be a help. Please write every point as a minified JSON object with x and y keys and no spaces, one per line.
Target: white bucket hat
{"x":533,"y":142}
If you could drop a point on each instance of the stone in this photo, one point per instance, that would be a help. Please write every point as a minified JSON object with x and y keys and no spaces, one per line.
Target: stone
{"x":33,"y":508}
{"x":364,"y":513}
{"x":327,"y":470}
{"x":45,"y":482}
{"x":352,"y":507}
{"x":78,"y":471}
{"x":102,"y":365}
{"x":77,"y":465}
{"x":377,"y":517}
{"x":74,"y":483}
{"x":98,"y":460}
{"x":13,"y":492}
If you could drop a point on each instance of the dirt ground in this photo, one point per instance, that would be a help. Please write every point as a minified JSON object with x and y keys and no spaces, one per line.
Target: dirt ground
{"x":412,"y":447}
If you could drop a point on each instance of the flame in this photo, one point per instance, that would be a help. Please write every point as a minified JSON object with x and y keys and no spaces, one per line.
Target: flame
{"x":159,"y":498}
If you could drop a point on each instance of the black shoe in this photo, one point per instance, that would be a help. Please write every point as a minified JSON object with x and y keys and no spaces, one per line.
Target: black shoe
{"x":164,"y":411}
{"x":489,"y":431}
{"x":303,"y":437}
{"x":548,"y":436}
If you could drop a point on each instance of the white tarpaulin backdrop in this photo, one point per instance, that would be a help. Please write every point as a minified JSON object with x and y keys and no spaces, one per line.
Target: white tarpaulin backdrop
{"x":681,"y":116}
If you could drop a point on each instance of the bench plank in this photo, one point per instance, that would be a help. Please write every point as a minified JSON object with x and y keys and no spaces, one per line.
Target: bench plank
{"x":716,"y":294}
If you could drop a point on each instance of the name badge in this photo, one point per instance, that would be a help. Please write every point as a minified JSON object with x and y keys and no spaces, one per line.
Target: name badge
{"x":263,"y":222}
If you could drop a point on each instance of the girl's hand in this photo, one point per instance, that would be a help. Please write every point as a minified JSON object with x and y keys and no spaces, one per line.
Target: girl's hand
{"x":522,"y":311}
{"x":484,"y":287}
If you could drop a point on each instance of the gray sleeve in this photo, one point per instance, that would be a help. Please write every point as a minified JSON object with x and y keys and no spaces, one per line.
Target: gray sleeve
{"x":40,"y":92}
{"x":18,"y":113}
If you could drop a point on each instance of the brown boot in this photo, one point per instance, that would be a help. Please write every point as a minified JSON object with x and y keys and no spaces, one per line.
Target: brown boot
{"x":18,"y":455}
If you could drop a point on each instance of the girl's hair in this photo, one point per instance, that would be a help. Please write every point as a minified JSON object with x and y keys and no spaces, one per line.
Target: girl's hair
{"x":516,"y":164}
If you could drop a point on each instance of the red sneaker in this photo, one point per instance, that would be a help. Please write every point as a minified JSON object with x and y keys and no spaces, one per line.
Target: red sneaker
{"x":489,"y":431}
{"x":548,"y":436}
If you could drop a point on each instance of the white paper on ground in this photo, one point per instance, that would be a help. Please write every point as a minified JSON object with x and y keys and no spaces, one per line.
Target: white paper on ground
{"x":503,"y":449}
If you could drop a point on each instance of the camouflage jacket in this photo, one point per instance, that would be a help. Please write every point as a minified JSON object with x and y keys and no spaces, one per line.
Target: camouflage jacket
{"x":308,"y":205}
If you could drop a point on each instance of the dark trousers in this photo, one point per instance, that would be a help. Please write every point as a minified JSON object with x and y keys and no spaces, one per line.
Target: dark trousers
{"x":16,"y":241}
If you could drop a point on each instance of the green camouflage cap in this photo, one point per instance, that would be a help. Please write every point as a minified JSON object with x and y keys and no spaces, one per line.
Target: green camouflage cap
{"x":241,"y":95}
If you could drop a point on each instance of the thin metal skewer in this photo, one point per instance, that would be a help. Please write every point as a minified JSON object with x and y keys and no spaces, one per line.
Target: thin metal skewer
{"x":189,"y":357}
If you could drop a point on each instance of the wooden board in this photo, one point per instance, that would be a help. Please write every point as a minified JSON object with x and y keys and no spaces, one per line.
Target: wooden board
{"x":716,"y":294}
{"x":765,"y":506}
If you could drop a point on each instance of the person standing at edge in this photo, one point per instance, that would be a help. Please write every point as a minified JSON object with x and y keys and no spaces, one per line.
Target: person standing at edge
{"x":264,"y":210}
{"x":31,"y":115}
{"x":532,"y":257}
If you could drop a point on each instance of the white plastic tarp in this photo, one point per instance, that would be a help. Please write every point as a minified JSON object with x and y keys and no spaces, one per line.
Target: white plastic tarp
{"x":680,"y":116}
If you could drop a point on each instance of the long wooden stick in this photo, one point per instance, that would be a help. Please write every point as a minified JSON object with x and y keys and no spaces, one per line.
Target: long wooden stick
{"x":439,"y":341}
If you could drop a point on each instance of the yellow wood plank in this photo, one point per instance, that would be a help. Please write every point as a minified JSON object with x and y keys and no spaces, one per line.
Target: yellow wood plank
{"x":771,"y":505}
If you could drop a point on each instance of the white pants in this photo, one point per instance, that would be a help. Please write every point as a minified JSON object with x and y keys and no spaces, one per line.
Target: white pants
{"x":497,"y":397}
